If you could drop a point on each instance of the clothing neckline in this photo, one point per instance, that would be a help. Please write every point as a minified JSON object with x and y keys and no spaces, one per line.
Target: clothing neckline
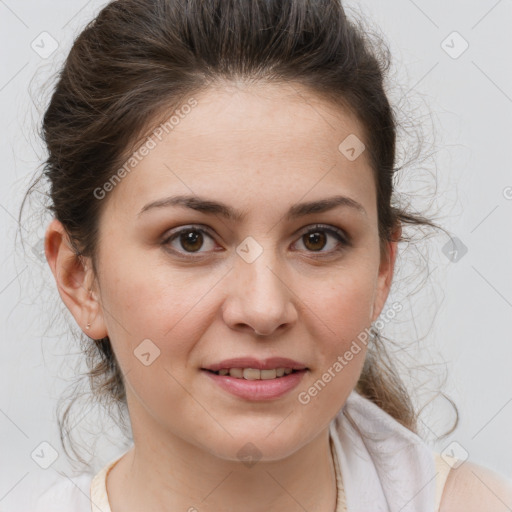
{"x":99,"y":495}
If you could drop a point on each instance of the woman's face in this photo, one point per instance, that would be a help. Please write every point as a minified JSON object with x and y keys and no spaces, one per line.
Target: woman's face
{"x":250,"y":287}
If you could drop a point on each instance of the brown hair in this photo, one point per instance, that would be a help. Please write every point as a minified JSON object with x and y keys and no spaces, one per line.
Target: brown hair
{"x":140,"y":58}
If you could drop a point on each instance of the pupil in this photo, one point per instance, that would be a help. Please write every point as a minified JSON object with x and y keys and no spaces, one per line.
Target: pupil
{"x":191,"y":237}
{"x":314,"y":237}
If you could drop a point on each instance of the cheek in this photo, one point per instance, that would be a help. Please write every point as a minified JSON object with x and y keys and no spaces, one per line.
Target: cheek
{"x":346,"y":304}
{"x":341,"y":317}
{"x":153,"y":323}
{"x":146,"y":301}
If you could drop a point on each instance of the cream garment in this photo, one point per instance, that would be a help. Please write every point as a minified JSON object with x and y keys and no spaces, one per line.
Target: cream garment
{"x":385,"y":466}
{"x":380,"y":467}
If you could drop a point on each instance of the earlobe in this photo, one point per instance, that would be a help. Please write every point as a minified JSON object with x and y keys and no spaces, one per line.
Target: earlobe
{"x":75,"y":280}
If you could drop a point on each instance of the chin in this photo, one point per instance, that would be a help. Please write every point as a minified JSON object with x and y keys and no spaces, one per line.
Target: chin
{"x":252,"y":445}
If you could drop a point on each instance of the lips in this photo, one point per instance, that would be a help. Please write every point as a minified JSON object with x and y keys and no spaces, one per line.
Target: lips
{"x":256,"y":379}
{"x":258,"y":389}
{"x":272,"y":363}
{"x":254,"y":373}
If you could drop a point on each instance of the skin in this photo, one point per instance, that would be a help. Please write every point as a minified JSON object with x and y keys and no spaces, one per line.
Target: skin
{"x":474,"y":488}
{"x":260,"y":149}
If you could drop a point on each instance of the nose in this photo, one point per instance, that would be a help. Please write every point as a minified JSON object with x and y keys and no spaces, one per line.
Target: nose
{"x":259,"y":298}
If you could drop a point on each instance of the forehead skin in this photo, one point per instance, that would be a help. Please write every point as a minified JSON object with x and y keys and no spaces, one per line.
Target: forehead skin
{"x":258,"y":148}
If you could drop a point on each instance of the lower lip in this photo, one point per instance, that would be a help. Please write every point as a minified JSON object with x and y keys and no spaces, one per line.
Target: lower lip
{"x":257,"y":389}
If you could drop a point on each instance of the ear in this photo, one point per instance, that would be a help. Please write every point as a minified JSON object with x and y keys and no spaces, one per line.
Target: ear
{"x":386,"y":272}
{"x":75,"y":281}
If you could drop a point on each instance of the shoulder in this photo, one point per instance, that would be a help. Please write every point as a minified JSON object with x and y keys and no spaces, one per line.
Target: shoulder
{"x":473,"y":488}
{"x":66,"y":494}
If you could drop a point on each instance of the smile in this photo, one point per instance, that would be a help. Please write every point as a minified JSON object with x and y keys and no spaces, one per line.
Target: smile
{"x":256,"y":385}
{"x":254,"y":373}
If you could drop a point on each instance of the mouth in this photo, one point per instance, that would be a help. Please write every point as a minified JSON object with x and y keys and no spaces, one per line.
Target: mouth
{"x":249,"y":383}
{"x":255,"y":379}
{"x":255,"y":373}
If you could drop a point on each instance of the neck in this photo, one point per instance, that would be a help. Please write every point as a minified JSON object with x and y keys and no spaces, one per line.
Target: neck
{"x":176,"y":475}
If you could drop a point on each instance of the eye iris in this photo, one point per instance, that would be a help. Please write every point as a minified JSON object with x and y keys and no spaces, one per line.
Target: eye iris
{"x":191,"y":237}
{"x":314,"y":237}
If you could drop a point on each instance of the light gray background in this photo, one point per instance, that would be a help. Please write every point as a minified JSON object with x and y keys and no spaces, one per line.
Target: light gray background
{"x":461,"y":316}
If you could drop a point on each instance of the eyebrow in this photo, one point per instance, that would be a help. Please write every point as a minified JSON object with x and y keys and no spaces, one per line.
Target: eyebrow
{"x":209,"y":206}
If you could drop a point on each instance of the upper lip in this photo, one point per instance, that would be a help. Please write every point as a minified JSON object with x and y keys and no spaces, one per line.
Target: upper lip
{"x":261,"y":364}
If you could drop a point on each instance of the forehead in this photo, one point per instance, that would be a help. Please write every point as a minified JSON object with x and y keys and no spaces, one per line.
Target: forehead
{"x":273,"y":120}
{"x":272,"y":140}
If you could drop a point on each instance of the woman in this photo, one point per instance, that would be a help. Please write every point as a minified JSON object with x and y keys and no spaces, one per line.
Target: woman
{"x":225,"y":234}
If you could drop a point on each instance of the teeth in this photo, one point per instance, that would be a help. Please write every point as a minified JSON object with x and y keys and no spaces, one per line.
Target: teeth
{"x":268,"y":374}
{"x":254,"y":373}
{"x":251,"y":374}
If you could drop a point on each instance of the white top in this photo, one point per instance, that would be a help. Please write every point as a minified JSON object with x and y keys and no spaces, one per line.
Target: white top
{"x":380,"y":465}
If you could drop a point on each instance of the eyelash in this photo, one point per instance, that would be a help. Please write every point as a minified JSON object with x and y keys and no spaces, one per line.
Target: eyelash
{"x":337,"y":233}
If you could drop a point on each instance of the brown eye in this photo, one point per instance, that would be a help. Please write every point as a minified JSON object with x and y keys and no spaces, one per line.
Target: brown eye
{"x":191,"y":240}
{"x":188,"y":241}
{"x":315,"y":241}
{"x":317,"y":238}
